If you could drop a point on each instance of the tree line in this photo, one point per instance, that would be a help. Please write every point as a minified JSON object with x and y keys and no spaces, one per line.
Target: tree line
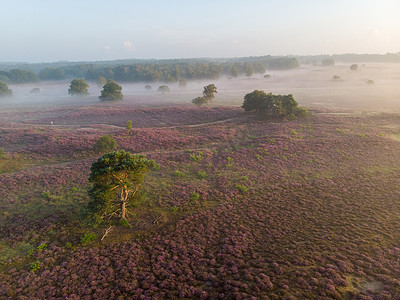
{"x":153,"y":71}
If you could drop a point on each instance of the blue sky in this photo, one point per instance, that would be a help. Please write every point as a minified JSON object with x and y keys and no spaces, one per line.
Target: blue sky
{"x":77,"y":30}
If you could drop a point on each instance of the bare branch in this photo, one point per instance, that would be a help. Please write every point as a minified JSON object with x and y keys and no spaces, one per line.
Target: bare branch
{"x":107,"y":231}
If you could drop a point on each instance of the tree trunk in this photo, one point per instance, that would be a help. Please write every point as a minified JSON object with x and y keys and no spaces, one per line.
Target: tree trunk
{"x":123,"y":210}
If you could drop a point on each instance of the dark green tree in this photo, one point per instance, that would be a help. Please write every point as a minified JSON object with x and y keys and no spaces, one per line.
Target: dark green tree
{"x":255,"y":100}
{"x":78,"y":87}
{"x":111,"y":91}
{"x":4,"y":90}
{"x":116,"y":177}
{"x":209,"y":91}
{"x":105,"y":144}
{"x":51,"y":74}
{"x":283,"y":106}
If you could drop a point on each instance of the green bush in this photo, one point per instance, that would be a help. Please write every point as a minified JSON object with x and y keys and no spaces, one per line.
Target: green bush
{"x":201,"y":174}
{"x":34,"y":266}
{"x":241,"y":188}
{"x":194,"y":197}
{"x":87,"y":238}
{"x":105,"y":144}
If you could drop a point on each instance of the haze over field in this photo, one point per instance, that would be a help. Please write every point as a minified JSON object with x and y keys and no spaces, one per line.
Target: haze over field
{"x":45,"y":31}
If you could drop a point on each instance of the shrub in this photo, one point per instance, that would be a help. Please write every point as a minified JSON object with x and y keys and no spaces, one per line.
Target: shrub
{"x":201,"y":174}
{"x":34,"y":266}
{"x":196,"y":157}
{"x":178,"y":173}
{"x":42,"y":247}
{"x":194,"y":197}
{"x":2,"y":153}
{"x":105,"y":144}
{"x":87,"y":238}
{"x":241,"y":188}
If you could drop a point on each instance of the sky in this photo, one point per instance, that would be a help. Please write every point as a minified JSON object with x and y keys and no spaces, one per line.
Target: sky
{"x":92,"y":30}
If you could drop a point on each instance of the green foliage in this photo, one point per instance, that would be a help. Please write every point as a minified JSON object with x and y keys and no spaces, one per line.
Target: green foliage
{"x":241,"y":188}
{"x":194,"y":197}
{"x":245,"y":178}
{"x":42,"y":247}
{"x":209,"y":91}
{"x":129,"y":125}
{"x":208,"y":95}
{"x":18,"y":76}
{"x":105,"y":144}
{"x":34,"y":266}
{"x":201,"y":174}
{"x":293,"y":132}
{"x":78,"y":87}
{"x":111,"y":92}
{"x":273,"y":105}
{"x":199,"y":101}
{"x":123,"y":222}
{"x":2,"y":153}
{"x":46,"y":195}
{"x":175,"y":209}
{"x":196,"y":157}
{"x":68,"y":245}
{"x":4,"y":90}
{"x":115,"y":178}
{"x":87,"y":238}
{"x":178,"y":173}
{"x":51,"y":74}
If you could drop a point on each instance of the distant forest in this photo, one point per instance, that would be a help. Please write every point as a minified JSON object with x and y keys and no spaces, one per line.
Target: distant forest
{"x":170,"y":70}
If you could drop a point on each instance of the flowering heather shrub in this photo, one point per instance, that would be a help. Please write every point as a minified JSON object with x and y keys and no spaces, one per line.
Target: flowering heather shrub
{"x":325,"y":229}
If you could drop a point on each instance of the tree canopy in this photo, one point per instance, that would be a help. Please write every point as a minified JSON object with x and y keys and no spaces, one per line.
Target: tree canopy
{"x":105,"y":143}
{"x":78,"y":87}
{"x":116,"y":177}
{"x":284,"y":106}
{"x":111,"y":91}
{"x":4,"y":90}
{"x":208,"y":95}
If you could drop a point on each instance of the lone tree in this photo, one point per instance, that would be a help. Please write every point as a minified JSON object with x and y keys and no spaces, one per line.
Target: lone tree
{"x":78,"y":87}
{"x":105,"y":144}
{"x":111,"y":91}
{"x":116,"y":177}
{"x":4,"y":90}
{"x":163,"y":89}
{"x":209,"y":91}
{"x":208,"y":95}
{"x":354,"y":67}
{"x":281,"y":106}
